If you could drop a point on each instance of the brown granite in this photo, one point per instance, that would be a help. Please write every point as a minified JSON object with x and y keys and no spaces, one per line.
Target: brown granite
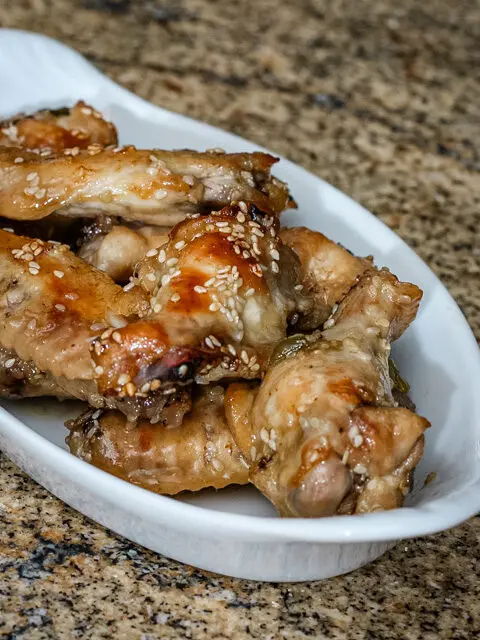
{"x":380,"y":98}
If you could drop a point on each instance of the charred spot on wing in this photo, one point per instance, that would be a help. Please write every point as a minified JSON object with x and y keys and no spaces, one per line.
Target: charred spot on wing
{"x":257,"y":214}
{"x":177,"y":366}
{"x":61,"y":111}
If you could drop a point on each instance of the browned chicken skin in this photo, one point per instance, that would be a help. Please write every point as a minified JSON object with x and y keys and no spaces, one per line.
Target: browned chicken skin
{"x":322,"y":433}
{"x":151,"y":186}
{"x":200,"y":453}
{"x":328,"y":272}
{"x":52,"y":307}
{"x":54,"y":131}
{"x":220,"y":291}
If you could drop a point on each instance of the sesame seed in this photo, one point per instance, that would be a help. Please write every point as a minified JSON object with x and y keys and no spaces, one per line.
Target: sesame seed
{"x":34,"y":272}
{"x":209,"y":283}
{"x":145,"y":388}
{"x":175,"y":297}
{"x":60,"y":307}
{"x":157,"y":308}
{"x":130,"y":389}
{"x":151,"y":253}
{"x":172,"y":262}
{"x":129,"y":286}
{"x":165,"y":280}
{"x":116,"y":337}
{"x":98,"y":370}
{"x":180,"y":245}
{"x":115,"y":320}
{"x":244,"y":356}
{"x":209,"y":343}
{"x":168,"y":392}
{"x":275,"y":268}
{"x":151,"y":277}
{"x":275,"y":255}
{"x":298,"y":287}
{"x":57,"y":274}
{"x":30,"y":191}
{"x":255,"y":367}
{"x":199,"y":289}
{"x":360,"y":468}
{"x":221,"y":224}
{"x":31,"y":176}
{"x":160,"y":194}
{"x":189,"y":180}
{"x":250,"y":292}
{"x":155,"y":384}
{"x":32,"y":324}
{"x":162,"y":256}
{"x":9,"y":363}
{"x":18,"y":160}
{"x":8,"y":229}
{"x":357,"y":441}
{"x":183,"y":370}
{"x":215,"y":341}
{"x":328,"y":323}
{"x":123,"y":379}
{"x":214,"y":306}
{"x":38,"y":251}
{"x":264,"y":435}
{"x":232,"y":349}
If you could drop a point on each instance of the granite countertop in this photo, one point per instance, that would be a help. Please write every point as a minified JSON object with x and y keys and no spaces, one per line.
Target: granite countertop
{"x":381,"y":99}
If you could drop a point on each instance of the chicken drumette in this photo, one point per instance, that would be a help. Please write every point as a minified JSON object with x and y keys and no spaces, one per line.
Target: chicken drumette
{"x":322,"y":433}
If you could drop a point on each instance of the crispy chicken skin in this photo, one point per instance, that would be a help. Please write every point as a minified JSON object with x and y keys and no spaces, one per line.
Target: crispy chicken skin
{"x":56,"y":130}
{"x":328,"y":272}
{"x":322,"y":433}
{"x":151,"y":186}
{"x":220,"y":291}
{"x":200,"y":453}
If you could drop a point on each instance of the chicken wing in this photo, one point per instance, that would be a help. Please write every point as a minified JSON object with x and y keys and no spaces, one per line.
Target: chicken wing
{"x":52,"y":307}
{"x":323,"y":433}
{"x":200,"y":453}
{"x":328,"y":272}
{"x":151,"y":186}
{"x":220,"y":291}
{"x":54,"y":131}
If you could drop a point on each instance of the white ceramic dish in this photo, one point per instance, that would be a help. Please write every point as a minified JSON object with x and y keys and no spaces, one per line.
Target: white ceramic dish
{"x":236,"y":532}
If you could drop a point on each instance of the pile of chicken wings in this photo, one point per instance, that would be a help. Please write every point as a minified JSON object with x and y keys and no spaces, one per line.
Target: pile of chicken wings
{"x":210,"y":345}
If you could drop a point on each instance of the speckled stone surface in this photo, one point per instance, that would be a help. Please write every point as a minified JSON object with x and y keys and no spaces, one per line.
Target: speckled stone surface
{"x":380,"y":98}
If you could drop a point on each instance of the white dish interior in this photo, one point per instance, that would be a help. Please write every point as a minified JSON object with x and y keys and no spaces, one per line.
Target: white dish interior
{"x":236,"y":531}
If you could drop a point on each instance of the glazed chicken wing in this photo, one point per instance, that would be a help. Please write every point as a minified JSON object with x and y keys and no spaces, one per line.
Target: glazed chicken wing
{"x":153,"y":187}
{"x":220,"y":295}
{"x":323,"y":433}
{"x":53,"y":306}
{"x":54,"y":131}
{"x":200,"y":453}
